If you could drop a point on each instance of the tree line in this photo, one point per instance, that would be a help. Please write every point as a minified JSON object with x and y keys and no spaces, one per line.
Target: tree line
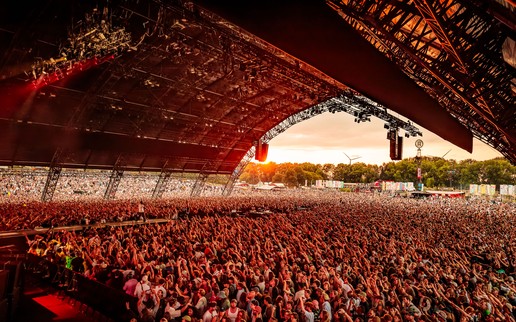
{"x":436,"y":172}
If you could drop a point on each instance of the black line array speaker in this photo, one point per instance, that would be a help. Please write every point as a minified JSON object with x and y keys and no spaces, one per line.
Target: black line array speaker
{"x":392,"y":148}
{"x":399,"y":150}
{"x":262,"y":149}
{"x":395,"y":146}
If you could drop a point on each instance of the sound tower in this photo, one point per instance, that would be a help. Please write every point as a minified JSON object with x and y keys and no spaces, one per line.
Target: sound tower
{"x":392,"y":135}
{"x":262,"y":150}
{"x":392,"y":148}
{"x":265,"y":151}
{"x":399,"y":150}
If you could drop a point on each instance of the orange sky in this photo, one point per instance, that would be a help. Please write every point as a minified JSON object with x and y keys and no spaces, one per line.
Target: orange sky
{"x":325,"y":139}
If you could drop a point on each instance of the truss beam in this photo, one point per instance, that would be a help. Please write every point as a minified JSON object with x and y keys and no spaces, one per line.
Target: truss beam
{"x":161,"y":185}
{"x":349,"y":102}
{"x":114,"y":180}
{"x":230,"y":185}
{"x":435,"y":23}
{"x":50,"y":185}
{"x":447,"y":48}
{"x":54,"y":172}
{"x":199,"y":184}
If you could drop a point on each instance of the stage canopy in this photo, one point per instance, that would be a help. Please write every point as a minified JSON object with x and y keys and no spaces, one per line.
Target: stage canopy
{"x":192,"y":87}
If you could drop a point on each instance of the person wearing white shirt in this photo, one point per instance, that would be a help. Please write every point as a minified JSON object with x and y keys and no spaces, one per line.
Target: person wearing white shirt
{"x":173,"y":308}
{"x":202,"y":303}
{"x":142,"y":286}
{"x":210,"y":313}
{"x":306,"y":308}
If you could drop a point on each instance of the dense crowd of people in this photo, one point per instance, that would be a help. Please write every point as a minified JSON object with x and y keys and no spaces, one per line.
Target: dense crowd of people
{"x":317,"y":256}
{"x":80,"y":185}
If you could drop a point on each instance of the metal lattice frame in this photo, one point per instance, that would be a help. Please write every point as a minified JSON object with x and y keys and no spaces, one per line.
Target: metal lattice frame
{"x":354,"y":104}
{"x":199,"y":184}
{"x":54,"y":172}
{"x":161,"y":184}
{"x":228,"y":188}
{"x":114,"y":180}
{"x":349,"y":102}
{"x":284,"y":70}
{"x":452,"y":49}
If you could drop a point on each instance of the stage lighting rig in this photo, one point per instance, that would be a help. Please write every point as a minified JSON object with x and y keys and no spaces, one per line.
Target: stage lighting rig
{"x":93,"y":41}
{"x":349,"y":102}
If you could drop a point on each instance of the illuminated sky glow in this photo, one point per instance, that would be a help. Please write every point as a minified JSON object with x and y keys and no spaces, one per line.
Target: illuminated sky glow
{"x":325,"y":139}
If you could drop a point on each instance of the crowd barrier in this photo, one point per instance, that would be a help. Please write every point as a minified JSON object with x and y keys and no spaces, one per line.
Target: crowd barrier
{"x":11,"y":283}
{"x":42,"y":231}
{"x":91,"y":294}
{"x":4,"y":302}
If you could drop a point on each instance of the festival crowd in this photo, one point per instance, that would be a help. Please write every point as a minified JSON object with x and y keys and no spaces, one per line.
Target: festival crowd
{"x":310,"y":257}
{"x":79,"y":185}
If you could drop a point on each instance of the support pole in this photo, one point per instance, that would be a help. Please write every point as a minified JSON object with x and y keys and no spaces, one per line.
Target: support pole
{"x":161,"y":185}
{"x":54,"y":172}
{"x":114,"y":180}
{"x":199,"y":185}
{"x":50,"y":186}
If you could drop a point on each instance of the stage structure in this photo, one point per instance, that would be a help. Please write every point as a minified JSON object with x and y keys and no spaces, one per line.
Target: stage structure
{"x":180,"y":86}
{"x":351,"y":103}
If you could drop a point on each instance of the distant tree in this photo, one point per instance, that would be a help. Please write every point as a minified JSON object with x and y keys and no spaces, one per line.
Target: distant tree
{"x":436,"y":172}
{"x":407,"y":171}
{"x":279,"y":177}
{"x":387,"y":171}
{"x":320,"y":172}
{"x":341,"y":172}
{"x":328,"y":170}
{"x":267,"y":171}
{"x":468,"y":172}
{"x":361,"y":172}
{"x":291,"y":178}
{"x":429,"y":182}
{"x":250,"y":174}
{"x":308,"y":167}
{"x":498,"y":171}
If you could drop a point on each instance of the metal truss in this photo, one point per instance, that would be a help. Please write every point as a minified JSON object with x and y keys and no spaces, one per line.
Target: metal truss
{"x":198,"y":186}
{"x":54,"y":172}
{"x":228,"y":188}
{"x":238,"y":47}
{"x":349,"y":102}
{"x":358,"y":106}
{"x":242,"y":48}
{"x":452,"y":49}
{"x":84,"y":115}
{"x":206,"y":170}
{"x":161,"y":185}
{"x":250,"y":43}
{"x":285,"y":67}
{"x":114,"y":179}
